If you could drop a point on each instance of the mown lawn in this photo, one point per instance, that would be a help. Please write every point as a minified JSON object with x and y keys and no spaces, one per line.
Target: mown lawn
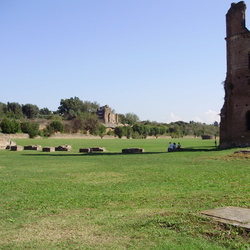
{"x":109,"y":200}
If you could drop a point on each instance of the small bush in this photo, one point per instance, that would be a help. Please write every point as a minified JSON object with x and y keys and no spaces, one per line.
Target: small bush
{"x":56,"y":126}
{"x":119,"y":132}
{"x":53,"y":127}
{"x":31,"y":128}
{"x":10,"y":126}
{"x":101,"y":130}
{"x":111,"y":133}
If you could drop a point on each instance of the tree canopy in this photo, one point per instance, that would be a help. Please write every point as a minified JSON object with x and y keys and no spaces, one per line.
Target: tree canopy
{"x":74,"y":107}
{"x":76,"y":116}
{"x":30,"y":111}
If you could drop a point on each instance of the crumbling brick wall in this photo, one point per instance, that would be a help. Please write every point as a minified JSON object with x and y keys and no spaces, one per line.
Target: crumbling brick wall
{"x":235,"y":113}
{"x":106,"y":115}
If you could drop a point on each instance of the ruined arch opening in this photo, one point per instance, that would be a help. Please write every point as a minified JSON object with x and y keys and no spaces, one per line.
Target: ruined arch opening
{"x":248,"y":120}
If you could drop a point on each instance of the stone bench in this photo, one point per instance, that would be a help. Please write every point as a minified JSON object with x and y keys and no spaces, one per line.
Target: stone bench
{"x":33,"y":147}
{"x":16,"y":148}
{"x":48,"y":149}
{"x":101,"y":149}
{"x":85,"y":150}
{"x":90,"y":150}
{"x":132,"y":150}
{"x":63,"y":148}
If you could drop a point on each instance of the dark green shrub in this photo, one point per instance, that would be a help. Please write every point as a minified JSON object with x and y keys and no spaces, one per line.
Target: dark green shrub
{"x":53,"y":127}
{"x":31,"y":128}
{"x":91,"y":124}
{"x":76,"y":125}
{"x":56,"y":126}
{"x":127,"y":131}
{"x":47,"y":132}
{"x":136,"y":135}
{"x":101,"y":130}
{"x":119,"y":132}
{"x":111,"y":133}
{"x":10,"y":126}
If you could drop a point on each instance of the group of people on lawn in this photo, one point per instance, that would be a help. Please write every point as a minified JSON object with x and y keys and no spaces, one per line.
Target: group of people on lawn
{"x":172,"y":146}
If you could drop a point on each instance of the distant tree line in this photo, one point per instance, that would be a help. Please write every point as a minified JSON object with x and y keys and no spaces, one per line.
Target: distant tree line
{"x":178,"y":129}
{"x":76,"y":116}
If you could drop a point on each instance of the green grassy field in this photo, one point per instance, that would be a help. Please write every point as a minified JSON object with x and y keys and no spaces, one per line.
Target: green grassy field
{"x":109,"y":200}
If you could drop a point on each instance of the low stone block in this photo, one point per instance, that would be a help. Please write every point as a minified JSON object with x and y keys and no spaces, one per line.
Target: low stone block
{"x":207,"y":137}
{"x":63,"y":148}
{"x":132,"y":150}
{"x":33,"y":147}
{"x":85,"y":150}
{"x":48,"y":149}
{"x":16,"y":148}
{"x":236,"y":216}
{"x":98,"y":149}
{"x":6,"y":143}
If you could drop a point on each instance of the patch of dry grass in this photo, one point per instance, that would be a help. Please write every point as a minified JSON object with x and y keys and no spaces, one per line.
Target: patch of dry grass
{"x":98,"y":177}
{"x":73,"y":226}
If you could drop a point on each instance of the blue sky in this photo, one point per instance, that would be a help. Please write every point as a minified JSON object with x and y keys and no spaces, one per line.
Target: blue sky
{"x":164,"y":60}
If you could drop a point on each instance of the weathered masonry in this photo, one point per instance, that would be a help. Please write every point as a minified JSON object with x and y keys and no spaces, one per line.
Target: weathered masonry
{"x":235,"y":113}
{"x":106,"y":115}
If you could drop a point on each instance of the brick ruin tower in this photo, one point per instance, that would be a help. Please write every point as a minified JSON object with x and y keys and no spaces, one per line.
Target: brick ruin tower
{"x":106,"y":115}
{"x":235,"y":113}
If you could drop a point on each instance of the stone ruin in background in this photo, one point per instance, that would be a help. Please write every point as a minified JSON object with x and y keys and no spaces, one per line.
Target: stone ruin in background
{"x":106,"y":115}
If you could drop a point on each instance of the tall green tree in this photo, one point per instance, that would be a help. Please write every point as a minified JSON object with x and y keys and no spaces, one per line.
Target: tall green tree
{"x":45,"y":113}
{"x":90,"y":106}
{"x":14,"y":110}
{"x":131,"y":118}
{"x":70,"y":108}
{"x":122,"y":119}
{"x":3,"y":108}
{"x":74,"y":107}
{"x":127,"y":131}
{"x":91,"y":123}
{"x":154,"y":131}
{"x":30,"y":111}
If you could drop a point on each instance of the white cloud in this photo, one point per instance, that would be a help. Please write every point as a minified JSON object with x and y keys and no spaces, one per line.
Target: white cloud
{"x":173,"y":118}
{"x":211,"y":116}
{"x":198,"y":119}
{"x":208,"y":117}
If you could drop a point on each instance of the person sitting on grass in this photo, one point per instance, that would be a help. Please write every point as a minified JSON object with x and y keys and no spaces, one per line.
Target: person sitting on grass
{"x":171,"y":147}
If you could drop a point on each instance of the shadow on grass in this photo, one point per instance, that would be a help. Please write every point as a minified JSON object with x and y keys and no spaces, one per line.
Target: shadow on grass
{"x":92,"y":154}
{"x":190,"y":149}
{"x":202,"y":149}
